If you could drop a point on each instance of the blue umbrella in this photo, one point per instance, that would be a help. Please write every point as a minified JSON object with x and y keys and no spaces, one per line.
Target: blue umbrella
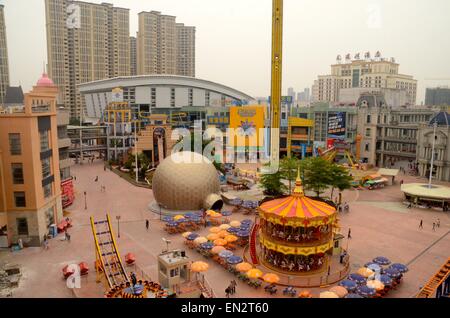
{"x":236,"y":202}
{"x":380,"y":260}
{"x":353,"y":296}
{"x":226,"y":254}
{"x":192,"y":236}
{"x":386,"y":280}
{"x":359,"y":279}
{"x":233,"y":230}
{"x":168,"y":219}
{"x":227,"y":213}
{"x":392,"y":273}
{"x":190,"y":215}
{"x":195,"y":219}
{"x":247,"y":222}
{"x":366,"y":291}
{"x":234,"y":260}
{"x":207,"y":246}
{"x":400,"y":267}
{"x":350,"y":285}
{"x":374,"y":267}
{"x":243,"y":234}
{"x":172,"y":224}
{"x":244,"y":228}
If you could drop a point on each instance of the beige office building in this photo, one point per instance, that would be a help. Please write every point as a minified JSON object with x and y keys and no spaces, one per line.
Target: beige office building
{"x":163,"y":46}
{"x":4,"y":69}
{"x":377,"y":74}
{"x":98,"y":49}
{"x":30,"y":193}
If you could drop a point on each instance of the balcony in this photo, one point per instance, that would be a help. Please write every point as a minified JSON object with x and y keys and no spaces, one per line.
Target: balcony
{"x":64,"y":143}
{"x":299,"y":137}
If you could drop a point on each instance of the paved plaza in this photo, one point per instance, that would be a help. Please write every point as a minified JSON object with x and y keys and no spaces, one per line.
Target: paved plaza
{"x":380,"y":223}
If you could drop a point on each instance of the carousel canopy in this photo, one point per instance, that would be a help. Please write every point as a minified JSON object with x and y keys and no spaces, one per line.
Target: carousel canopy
{"x":298,"y":207}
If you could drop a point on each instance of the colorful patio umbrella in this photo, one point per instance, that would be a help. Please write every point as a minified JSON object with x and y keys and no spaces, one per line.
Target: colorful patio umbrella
{"x":400,"y":267}
{"x":236,"y":201}
{"x":366,"y":272}
{"x":350,"y":285}
{"x":215,"y":215}
{"x":328,"y":294}
{"x":243,"y":234}
{"x":210,"y":212}
{"x":200,"y":240}
{"x":305,"y":294}
{"x":172,"y":224}
{"x":354,"y":296}
{"x":247,"y":221}
{"x":223,"y":234}
{"x":227,"y":213}
{"x":366,"y":291}
{"x":357,"y":278}
{"x":234,"y":230}
{"x":381,"y":260}
{"x":235,"y":224}
{"x":271,"y":278}
{"x":375,"y":284}
{"x":234,"y":260}
{"x":373,"y":266}
{"x":186,"y":234}
{"x":392,"y":273}
{"x":217,"y":249}
{"x":231,"y":238}
{"x":244,"y":267}
{"x":168,"y":219}
{"x":224,"y":227}
{"x":339,"y":290}
{"x":254,"y":273}
{"x":212,"y":237}
{"x":220,"y":242}
{"x":207,"y":246}
{"x":214,"y":230}
{"x":192,"y":236}
{"x":386,"y":280}
{"x":178,"y":217}
{"x":199,"y":267}
{"x":226,"y":254}
{"x":190,"y":215}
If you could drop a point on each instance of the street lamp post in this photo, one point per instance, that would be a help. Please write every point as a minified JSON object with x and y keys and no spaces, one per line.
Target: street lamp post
{"x":118,"y":225}
{"x":85,"y":200}
{"x":432,"y":153}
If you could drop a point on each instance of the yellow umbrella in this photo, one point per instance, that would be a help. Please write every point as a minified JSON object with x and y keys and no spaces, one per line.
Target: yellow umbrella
{"x":271,"y":278}
{"x":200,"y":240}
{"x":225,"y":226}
{"x":216,"y":215}
{"x":231,"y":238}
{"x":243,"y":267}
{"x":214,"y":230}
{"x":210,"y":212}
{"x":235,"y":224}
{"x":223,"y":234}
{"x":328,"y":294}
{"x":340,"y":291}
{"x":366,"y":272}
{"x":254,"y":273}
{"x":199,"y":267}
{"x":375,"y":284}
{"x":186,"y":234}
{"x":220,"y":242}
{"x":178,"y":217}
{"x":217,"y":249}
{"x":212,"y":237}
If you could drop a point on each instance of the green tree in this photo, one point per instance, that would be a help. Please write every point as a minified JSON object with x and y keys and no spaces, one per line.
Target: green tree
{"x":272,"y":183}
{"x":316,"y":174}
{"x":289,"y":168}
{"x":340,"y":178}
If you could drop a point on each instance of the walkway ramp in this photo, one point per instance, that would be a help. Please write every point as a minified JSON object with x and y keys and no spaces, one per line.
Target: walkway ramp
{"x":437,"y":280}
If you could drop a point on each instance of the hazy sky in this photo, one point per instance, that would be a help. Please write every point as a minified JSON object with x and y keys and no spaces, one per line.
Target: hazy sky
{"x":234,"y":38}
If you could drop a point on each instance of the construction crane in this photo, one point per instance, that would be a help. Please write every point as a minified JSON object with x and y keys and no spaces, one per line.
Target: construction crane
{"x":276,"y":82}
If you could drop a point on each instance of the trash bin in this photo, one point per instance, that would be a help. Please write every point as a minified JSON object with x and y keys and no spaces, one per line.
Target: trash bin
{"x":53,"y":230}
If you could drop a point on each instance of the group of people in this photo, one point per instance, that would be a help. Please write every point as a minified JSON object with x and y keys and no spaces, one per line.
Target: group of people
{"x":344,"y":207}
{"x":293,"y":263}
{"x":231,"y":289}
{"x":436,"y":224}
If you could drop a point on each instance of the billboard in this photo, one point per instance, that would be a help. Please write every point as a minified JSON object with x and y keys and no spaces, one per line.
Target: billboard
{"x":246,"y":124}
{"x":337,"y":125}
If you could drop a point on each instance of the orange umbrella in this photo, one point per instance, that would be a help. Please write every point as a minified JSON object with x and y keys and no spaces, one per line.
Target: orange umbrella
{"x":271,"y":278}
{"x":212,"y":237}
{"x":305,"y":294}
{"x":231,"y":238}
{"x":244,"y":267}
{"x":375,"y":284}
{"x":217,"y":249}
{"x":366,"y":272}
{"x":220,"y":242}
{"x":225,"y":226}
{"x":216,"y":215}
{"x":178,"y":217}
{"x":223,"y":234}
{"x":199,"y":267}
{"x":254,"y":273}
{"x":214,"y":230}
{"x":340,"y":291}
{"x":210,"y":212}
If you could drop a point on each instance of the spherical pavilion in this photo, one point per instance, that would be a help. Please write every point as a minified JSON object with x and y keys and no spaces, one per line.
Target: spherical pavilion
{"x":296,"y":232}
{"x":187,"y":181}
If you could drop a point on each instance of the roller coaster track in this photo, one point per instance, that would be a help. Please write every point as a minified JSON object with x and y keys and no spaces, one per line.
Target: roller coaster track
{"x":108,"y":258}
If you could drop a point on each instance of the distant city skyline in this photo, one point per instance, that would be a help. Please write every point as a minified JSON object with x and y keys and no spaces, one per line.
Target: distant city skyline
{"x":233,"y":38}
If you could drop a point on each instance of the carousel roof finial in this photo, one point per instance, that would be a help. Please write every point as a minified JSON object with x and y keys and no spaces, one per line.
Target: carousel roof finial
{"x":298,"y":190}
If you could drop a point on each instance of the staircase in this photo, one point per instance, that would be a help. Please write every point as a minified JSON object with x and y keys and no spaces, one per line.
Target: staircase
{"x":435,"y":281}
{"x":253,"y":238}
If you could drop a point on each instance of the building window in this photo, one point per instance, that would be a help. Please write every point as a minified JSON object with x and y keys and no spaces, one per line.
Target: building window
{"x":50,"y":216}
{"x":207,"y":99}
{"x":367,"y":147}
{"x":22,"y":226}
{"x":191,"y":97}
{"x":15,"y":144}
{"x":172,"y":97}
{"x":153,"y":97}
{"x":369,"y":119}
{"x":19,"y":199}
{"x":368,"y":132}
{"x":43,"y":135}
{"x":46,"y":170}
{"x":47,"y":190}
{"x":17,"y":173}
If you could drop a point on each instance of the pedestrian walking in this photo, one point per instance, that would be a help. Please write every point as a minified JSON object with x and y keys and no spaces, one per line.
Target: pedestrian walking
{"x":401,"y":182}
{"x":227,"y":292}
{"x":349,"y":235}
{"x":45,"y":243}
{"x":96,"y":179}
{"x":133,"y":279}
{"x":421,"y":224}
{"x":67,"y":236}
{"x":438,"y":224}
{"x":147,"y":224}
{"x":329,"y":269}
{"x":233,"y":286}
{"x":104,"y":168}
{"x":434,"y":227}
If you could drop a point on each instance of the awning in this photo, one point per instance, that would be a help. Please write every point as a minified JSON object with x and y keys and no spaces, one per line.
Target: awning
{"x":388,"y":172}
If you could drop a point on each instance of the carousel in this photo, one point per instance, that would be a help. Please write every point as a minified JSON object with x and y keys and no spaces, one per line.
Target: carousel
{"x":297,"y":233}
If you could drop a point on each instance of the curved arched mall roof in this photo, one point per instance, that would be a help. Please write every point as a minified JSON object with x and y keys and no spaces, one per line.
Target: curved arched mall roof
{"x":161,"y":80}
